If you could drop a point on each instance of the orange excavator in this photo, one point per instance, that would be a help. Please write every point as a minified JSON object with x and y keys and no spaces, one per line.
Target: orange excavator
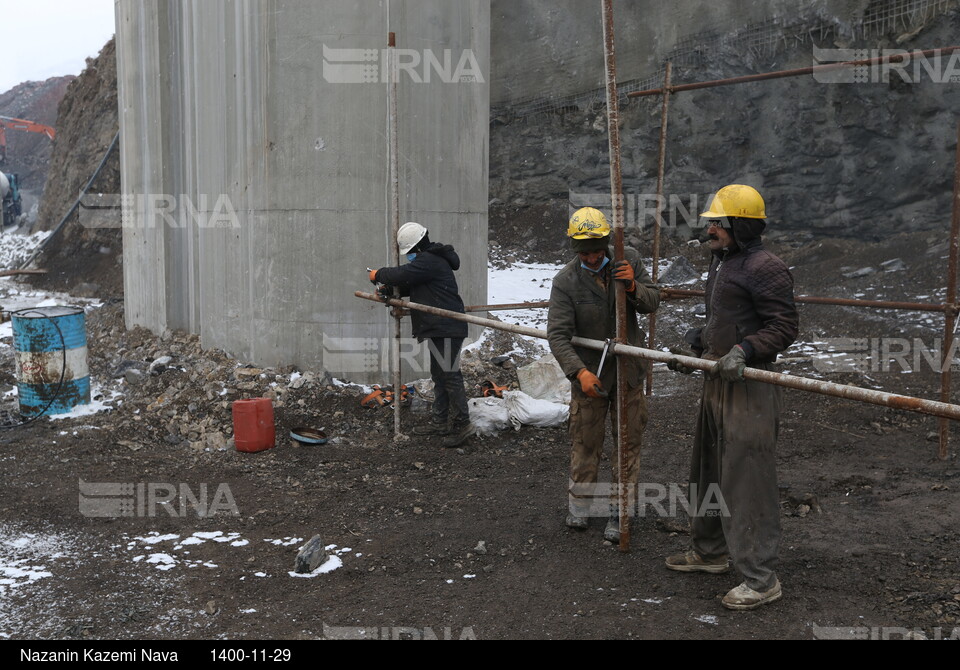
{"x":10,"y":202}
{"x":20,"y":124}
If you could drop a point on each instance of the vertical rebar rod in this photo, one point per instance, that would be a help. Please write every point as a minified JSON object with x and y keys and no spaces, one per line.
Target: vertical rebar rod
{"x":658,"y":219}
{"x":395,"y":226}
{"x":616,"y":192}
{"x":950,"y":315}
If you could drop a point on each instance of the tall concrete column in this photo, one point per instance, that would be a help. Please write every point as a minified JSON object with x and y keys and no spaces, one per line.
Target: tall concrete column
{"x":261,"y":126}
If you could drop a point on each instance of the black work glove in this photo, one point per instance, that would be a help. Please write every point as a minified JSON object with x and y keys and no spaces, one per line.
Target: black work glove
{"x":676,"y":365}
{"x":731,"y":367}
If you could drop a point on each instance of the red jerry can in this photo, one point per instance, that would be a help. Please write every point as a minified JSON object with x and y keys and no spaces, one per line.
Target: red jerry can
{"x":253,"y":428}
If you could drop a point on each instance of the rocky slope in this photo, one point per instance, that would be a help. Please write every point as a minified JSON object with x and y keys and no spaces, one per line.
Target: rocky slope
{"x":28,"y":154}
{"x":841,"y":160}
{"x":84,"y":251}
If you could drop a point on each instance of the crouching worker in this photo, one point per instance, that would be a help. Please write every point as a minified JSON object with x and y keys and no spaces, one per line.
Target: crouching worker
{"x":428,"y":279}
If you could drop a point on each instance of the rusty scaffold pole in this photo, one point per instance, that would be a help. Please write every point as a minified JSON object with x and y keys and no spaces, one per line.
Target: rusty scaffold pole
{"x":881,"y":398}
{"x":780,"y":74}
{"x":951,"y":314}
{"x":680,"y":294}
{"x":395,"y":226}
{"x":658,"y":219}
{"x":616,"y":193}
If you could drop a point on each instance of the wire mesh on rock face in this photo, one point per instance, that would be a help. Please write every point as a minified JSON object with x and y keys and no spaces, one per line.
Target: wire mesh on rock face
{"x":758,"y":43}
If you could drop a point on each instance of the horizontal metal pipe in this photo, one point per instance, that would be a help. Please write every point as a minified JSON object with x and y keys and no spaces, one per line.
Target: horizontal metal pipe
{"x":679,"y":294}
{"x":676,"y":294}
{"x":895,"y":58}
{"x":881,"y":398}
{"x":518,"y":305}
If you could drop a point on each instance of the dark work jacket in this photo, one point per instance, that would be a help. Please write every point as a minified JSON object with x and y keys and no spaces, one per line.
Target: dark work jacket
{"x":749,"y":298}
{"x":580,"y":307}
{"x":429,"y":280}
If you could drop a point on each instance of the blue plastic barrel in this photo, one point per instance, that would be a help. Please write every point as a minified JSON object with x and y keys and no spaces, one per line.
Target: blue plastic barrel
{"x":49,"y":341}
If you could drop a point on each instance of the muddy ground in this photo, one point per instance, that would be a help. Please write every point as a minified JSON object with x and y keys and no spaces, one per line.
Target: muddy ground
{"x":468,"y":542}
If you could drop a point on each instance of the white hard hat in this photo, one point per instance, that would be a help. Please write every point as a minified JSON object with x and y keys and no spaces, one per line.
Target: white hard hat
{"x":409,"y":236}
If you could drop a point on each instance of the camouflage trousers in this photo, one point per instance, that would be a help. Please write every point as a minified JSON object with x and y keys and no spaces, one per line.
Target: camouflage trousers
{"x":588,"y":417}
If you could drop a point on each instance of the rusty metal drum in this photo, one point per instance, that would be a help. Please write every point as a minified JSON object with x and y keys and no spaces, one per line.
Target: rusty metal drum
{"x":50,"y":342}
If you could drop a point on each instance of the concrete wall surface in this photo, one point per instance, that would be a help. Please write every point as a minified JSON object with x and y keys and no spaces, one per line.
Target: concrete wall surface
{"x":255,"y":166}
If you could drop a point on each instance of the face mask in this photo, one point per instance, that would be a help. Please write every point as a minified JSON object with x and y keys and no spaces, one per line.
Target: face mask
{"x":410,"y":257}
{"x":606,"y":259}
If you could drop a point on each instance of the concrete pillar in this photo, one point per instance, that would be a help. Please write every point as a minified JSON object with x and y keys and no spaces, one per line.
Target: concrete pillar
{"x":267,"y":143}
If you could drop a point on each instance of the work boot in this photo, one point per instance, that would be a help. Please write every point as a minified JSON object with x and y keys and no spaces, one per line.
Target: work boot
{"x":744,"y":598}
{"x":577,"y":522}
{"x":432,"y":427}
{"x":691,"y":561}
{"x":458,"y":435}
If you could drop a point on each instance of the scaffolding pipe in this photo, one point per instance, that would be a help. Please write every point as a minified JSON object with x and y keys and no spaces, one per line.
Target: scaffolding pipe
{"x":895,"y":58}
{"x":395,"y":225}
{"x":951,"y":314}
{"x":881,"y":398}
{"x":516,"y":305}
{"x":680,"y":294}
{"x":658,"y":219}
{"x":616,"y":194}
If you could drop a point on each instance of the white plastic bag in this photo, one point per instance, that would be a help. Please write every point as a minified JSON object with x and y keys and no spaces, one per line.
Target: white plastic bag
{"x":544,"y":380}
{"x":489,"y":415}
{"x":528,"y":411}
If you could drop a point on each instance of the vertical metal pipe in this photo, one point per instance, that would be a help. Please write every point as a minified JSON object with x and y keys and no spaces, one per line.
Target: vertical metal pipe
{"x":395,"y":226}
{"x":616,"y":188}
{"x":951,"y":315}
{"x":658,"y":219}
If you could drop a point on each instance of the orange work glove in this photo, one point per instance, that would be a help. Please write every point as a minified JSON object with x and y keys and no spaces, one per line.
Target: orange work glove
{"x":623,"y":271}
{"x":373,"y":276}
{"x":590,"y":384}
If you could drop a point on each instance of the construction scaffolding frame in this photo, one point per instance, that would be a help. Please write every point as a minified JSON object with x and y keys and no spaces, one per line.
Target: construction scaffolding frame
{"x":943,"y":409}
{"x":950,"y":309}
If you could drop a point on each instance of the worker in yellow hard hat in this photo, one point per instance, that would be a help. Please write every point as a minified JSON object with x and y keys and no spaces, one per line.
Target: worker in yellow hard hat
{"x":751,"y":319}
{"x":582,"y":303}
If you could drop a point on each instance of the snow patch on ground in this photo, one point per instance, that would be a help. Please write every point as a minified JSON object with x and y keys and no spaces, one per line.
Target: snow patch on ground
{"x":28,"y":572}
{"x":331,"y":564}
{"x":522,"y":282}
{"x":103,"y":400}
{"x":15,"y":249}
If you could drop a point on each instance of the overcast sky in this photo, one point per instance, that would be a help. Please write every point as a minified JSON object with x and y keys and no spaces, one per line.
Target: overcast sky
{"x":48,"y":38}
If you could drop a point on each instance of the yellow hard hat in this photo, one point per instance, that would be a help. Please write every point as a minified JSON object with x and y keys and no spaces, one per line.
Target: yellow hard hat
{"x":588,"y":223}
{"x":736,"y":200}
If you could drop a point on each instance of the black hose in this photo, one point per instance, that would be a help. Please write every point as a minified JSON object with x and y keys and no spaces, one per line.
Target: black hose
{"x":76,"y":204}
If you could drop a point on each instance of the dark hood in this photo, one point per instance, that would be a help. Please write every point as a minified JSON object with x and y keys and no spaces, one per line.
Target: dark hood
{"x":746,"y":236}
{"x":446,"y":252}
